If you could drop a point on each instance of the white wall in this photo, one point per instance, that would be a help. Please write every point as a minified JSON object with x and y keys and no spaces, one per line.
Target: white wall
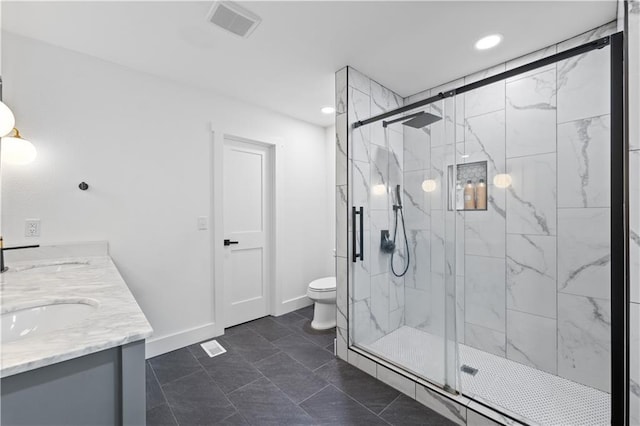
{"x":143,"y":145}
{"x":330,"y":141}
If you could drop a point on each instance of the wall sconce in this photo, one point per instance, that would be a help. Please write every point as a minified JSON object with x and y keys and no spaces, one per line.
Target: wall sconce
{"x":14,"y":148}
{"x":7,"y":120}
{"x":379,"y":189}
{"x":17,"y":150}
{"x":502,"y":180}
{"x":429,"y":185}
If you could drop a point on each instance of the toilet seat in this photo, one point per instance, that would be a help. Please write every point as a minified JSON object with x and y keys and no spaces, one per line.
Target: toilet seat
{"x":323,"y":284}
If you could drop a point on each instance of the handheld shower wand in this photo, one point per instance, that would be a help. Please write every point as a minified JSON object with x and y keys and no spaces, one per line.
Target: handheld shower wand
{"x":398,"y":208}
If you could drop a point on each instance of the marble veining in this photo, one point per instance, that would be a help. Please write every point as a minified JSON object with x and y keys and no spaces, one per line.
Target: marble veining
{"x":383,"y":99}
{"x":416,"y":301}
{"x":531,"y":340}
{"x":443,"y":405}
{"x":527,"y":59}
{"x":379,"y":178}
{"x":584,"y":258}
{"x":361,"y":189}
{"x":341,"y":91}
{"x":485,"y":339}
{"x":484,"y":231}
{"x":380,"y":302}
{"x":416,"y":148}
{"x":531,"y":198}
{"x":584,"y":340}
{"x":531,"y":274}
{"x":485,"y":99}
{"x":360,"y":140}
{"x":379,"y":261}
{"x":583,"y":163}
{"x":116,"y":321}
{"x":341,"y":149}
{"x":341,"y":221}
{"x":396,"y":159}
{"x":341,"y":306}
{"x":420,"y":267}
{"x":485,"y":141}
{"x":437,"y":237}
{"x":359,"y":81}
{"x":451,"y":110}
{"x":531,"y":114}
{"x":485,"y":292}
{"x":396,"y":294}
{"x":417,"y":213}
{"x":583,"y":86}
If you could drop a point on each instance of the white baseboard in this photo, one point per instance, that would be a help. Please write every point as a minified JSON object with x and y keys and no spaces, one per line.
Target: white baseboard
{"x":293,"y":304}
{"x":163,"y":344}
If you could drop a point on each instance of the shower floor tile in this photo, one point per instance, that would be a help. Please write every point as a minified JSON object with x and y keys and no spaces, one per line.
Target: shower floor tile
{"x":537,"y":396}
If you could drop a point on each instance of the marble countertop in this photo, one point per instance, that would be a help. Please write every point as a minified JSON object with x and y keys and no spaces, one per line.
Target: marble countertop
{"x":94,"y":280}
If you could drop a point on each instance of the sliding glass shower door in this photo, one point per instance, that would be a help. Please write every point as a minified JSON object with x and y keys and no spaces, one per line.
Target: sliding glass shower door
{"x":402,"y":291}
{"x":487,"y":237}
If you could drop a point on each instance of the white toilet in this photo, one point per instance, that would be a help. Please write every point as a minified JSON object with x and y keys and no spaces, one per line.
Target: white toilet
{"x":323,"y":292}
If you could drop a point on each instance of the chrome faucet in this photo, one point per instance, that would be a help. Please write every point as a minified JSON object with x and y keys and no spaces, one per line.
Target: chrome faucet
{"x":2,"y":249}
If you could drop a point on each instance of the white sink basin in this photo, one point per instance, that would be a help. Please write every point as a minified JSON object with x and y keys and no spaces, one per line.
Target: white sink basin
{"x":38,"y":320}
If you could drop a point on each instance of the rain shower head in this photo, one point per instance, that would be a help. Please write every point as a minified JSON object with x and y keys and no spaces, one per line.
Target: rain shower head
{"x":417,"y":121}
{"x":422,"y":120}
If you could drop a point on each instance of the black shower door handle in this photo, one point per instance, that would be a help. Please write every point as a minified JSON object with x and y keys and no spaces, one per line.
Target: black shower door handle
{"x":354,"y":251}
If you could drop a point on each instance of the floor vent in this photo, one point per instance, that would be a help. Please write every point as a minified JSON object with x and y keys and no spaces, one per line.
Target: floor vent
{"x":469,"y":370}
{"x":233,"y":18}
{"x":213,"y":348}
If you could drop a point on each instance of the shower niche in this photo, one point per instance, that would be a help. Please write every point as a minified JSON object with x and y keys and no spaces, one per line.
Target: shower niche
{"x":467,"y":184}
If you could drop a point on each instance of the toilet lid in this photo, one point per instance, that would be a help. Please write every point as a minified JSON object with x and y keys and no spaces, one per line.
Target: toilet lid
{"x":323,"y":284}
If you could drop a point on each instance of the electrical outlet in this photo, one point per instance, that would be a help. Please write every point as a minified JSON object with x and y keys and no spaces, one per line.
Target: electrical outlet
{"x":203,"y":223}
{"x":32,"y":228}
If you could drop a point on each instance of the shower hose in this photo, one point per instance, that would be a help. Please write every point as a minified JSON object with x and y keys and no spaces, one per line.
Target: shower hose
{"x":406,"y":242}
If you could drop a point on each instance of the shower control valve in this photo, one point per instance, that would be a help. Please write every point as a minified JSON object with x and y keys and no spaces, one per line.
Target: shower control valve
{"x":386,"y":244}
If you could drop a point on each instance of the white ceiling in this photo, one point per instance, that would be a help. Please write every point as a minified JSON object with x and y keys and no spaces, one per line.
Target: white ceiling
{"x":288,"y":63}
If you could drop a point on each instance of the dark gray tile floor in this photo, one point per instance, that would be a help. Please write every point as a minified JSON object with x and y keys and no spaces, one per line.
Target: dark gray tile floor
{"x":276,"y":371}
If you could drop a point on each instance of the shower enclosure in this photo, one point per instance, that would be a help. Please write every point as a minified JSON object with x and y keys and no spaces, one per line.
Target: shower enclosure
{"x":507,"y":188}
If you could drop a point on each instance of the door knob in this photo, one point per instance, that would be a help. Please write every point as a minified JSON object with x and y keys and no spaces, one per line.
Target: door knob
{"x":229,"y":242}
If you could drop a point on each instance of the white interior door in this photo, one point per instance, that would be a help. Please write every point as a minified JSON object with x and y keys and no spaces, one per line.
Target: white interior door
{"x":248,"y":186}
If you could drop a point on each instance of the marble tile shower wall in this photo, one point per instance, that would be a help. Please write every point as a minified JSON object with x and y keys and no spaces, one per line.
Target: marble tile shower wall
{"x":533,"y":270}
{"x":342,"y":215}
{"x":377,"y":296}
{"x":430,"y":226}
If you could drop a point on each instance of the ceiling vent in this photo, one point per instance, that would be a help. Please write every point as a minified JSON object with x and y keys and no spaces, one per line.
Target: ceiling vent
{"x":234,"y":18}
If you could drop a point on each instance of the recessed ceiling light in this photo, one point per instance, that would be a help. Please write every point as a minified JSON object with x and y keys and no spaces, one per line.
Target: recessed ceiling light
{"x":488,"y":42}
{"x":328,"y":110}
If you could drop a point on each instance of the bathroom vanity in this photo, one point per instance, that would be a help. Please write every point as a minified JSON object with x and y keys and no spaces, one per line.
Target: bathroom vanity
{"x":73,"y":340}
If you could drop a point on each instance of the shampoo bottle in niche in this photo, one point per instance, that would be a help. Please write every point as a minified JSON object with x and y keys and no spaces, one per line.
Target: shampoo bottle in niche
{"x":459,"y":196}
{"x":469,"y":196}
{"x":481,"y":195}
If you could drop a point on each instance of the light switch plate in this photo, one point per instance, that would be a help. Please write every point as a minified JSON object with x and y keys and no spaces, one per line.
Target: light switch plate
{"x":203,"y":223}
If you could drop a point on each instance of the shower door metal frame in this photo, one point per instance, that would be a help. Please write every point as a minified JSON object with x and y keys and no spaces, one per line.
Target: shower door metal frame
{"x":619,"y":143}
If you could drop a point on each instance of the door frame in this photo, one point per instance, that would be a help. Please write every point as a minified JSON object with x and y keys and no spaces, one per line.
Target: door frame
{"x":218,"y":136}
